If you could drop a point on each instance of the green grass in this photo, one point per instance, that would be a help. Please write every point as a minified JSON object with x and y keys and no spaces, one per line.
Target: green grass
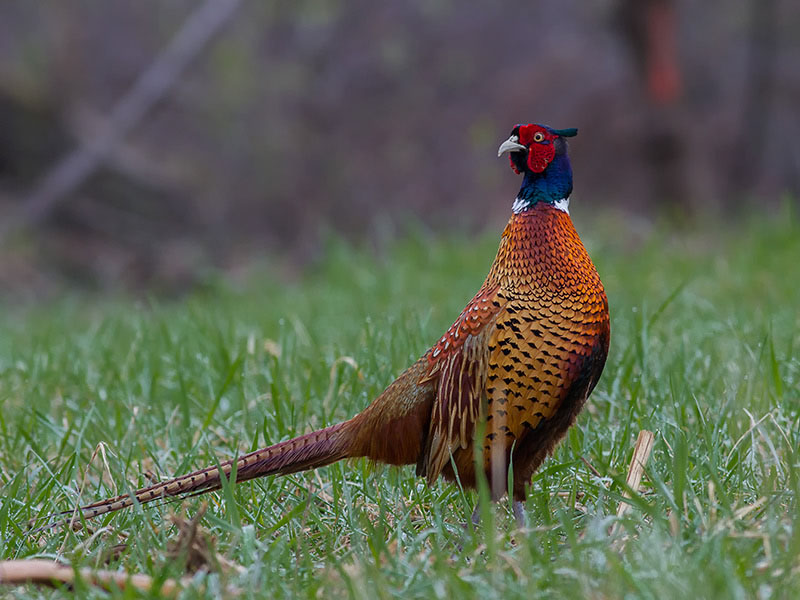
{"x":705,"y":352}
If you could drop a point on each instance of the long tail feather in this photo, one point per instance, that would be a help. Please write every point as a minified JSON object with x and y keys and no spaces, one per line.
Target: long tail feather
{"x":390,"y":430}
{"x":315,"y":449}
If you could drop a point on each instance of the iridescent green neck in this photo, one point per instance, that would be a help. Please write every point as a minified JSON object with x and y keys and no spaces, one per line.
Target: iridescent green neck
{"x":553,"y":186}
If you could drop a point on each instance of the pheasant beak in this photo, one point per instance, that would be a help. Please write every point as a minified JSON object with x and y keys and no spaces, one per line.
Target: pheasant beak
{"x":511,"y":145}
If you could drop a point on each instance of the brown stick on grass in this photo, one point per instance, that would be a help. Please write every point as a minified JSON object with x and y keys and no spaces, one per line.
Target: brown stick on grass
{"x":641,"y":454}
{"x":47,"y":572}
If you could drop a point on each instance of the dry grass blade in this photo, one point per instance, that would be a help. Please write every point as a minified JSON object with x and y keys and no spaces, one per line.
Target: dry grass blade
{"x":641,"y":454}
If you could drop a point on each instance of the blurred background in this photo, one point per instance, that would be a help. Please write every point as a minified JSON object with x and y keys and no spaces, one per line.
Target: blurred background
{"x":144,"y":145}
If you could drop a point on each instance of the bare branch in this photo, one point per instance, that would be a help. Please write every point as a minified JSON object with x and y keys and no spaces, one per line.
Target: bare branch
{"x":151,"y":86}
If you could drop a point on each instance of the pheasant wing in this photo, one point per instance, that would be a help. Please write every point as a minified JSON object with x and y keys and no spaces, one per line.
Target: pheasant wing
{"x":459,"y":364}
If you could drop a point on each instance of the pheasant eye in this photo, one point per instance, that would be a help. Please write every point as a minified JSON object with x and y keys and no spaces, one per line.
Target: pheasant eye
{"x":538,"y":136}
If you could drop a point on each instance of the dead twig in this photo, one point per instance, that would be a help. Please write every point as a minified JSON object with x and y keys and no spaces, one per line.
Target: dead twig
{"x":594,"y":471}
{"x":193,"y":545}
{"x":47,"y":572}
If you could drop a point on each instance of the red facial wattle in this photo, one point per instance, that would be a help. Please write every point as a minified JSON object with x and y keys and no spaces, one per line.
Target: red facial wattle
{"x":540,"y":153}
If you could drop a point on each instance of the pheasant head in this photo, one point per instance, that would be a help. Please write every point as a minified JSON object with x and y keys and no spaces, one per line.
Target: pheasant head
{"x":540,"y":154}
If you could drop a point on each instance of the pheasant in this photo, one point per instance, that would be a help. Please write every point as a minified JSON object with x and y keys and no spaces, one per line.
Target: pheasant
{"x":515,"y":368}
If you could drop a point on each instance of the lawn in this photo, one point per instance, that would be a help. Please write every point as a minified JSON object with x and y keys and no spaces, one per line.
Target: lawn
{"x":100,"y":394}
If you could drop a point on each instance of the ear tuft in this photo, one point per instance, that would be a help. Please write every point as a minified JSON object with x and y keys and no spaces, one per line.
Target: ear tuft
{"x":571,"y":132}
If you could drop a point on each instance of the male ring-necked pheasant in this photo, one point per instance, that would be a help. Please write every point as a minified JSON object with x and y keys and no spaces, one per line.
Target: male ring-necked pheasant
{"x":517,"y":365}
